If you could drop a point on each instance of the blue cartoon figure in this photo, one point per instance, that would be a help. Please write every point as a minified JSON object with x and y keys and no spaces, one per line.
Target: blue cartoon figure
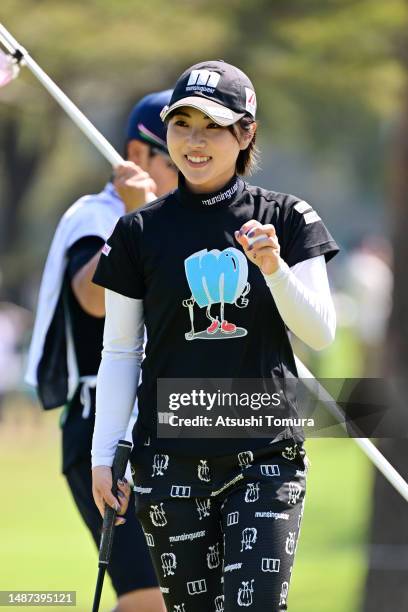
{"x":216,"y":277}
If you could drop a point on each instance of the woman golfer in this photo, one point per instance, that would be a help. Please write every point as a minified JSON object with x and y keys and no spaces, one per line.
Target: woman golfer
{"x":217,"y":271}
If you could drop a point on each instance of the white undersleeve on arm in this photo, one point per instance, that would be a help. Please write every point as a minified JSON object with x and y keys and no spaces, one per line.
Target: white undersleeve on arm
{"x":302,"y":296}
{"x":118,"y":374}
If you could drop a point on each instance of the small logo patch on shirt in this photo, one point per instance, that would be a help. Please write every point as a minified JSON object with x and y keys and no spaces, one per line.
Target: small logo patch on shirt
{"x":311,"y":217}
{"x":302,"y":206}
{"x":106,"y":249}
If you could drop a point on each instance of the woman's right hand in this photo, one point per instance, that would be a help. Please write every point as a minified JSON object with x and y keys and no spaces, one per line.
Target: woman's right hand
{"x":102,"y":492}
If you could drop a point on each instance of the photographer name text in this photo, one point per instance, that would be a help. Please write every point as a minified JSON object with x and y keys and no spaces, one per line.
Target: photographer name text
{"x":225,"y":421}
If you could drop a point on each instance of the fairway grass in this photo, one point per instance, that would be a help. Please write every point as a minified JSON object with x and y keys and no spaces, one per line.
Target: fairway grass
{"x":45,"y":546}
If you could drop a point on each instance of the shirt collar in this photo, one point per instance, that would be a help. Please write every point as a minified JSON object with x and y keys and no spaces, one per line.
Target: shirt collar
{"x":222,"y":198}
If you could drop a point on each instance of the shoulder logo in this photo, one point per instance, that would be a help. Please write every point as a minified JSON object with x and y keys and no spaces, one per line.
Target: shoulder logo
{"x":106,"y":249}
{"x":311,"y":217}
{"x":250,"y":104}
{"x":302,"y":206}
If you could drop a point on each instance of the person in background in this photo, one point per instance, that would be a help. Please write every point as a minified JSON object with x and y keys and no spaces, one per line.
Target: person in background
{"x":67,"y":339}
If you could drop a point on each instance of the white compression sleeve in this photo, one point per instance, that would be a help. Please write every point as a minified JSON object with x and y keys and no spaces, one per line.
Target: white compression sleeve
{"x":118,"y":374}
{"x":302,"y":296}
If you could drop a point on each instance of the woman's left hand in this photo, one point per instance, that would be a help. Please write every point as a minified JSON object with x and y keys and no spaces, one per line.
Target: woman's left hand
{"x":265,"y":251}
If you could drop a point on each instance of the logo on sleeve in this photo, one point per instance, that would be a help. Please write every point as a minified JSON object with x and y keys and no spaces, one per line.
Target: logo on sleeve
{"x":302,"y":207}
{"x":106,"y":249}
{"x":311,"y":217}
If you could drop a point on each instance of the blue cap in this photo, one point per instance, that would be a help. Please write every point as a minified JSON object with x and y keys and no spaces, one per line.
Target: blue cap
{"x":144,"y":121}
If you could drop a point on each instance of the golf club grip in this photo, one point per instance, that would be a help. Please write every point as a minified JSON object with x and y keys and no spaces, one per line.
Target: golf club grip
{"x":118,"y":471}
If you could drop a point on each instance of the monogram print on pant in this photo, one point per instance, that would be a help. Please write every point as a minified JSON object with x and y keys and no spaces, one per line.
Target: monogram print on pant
{"x":245,"y":593}
{"x":245,"y":459}
{"x":290,"y":452}
{"x":243,"y":533}
{"x":169,"y":564}
{"x":284,"y":593}
{"x":270,"y":565}
{"x":232,"y":518}
{"x":149,"y":539}
{"x":294,"y":492}
{"x":290,"y":543}
{"x":160,"y":465}
{"x":270,"y":470}
{"x":252,"y":492}
{"x":203,"y":507}
{"x":180,"y":491}
{"x":248,"y":538}
{"x":213,"y":556}
{"x":158,"y":515}
{"x":203,"y":470}
{"x":196,"y":587}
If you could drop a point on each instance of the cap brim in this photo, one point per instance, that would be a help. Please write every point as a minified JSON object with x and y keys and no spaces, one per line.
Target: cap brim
{"x":218,"y":113}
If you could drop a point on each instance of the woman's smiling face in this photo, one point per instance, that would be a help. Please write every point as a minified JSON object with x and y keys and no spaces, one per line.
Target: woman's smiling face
{"x":204,"y":152}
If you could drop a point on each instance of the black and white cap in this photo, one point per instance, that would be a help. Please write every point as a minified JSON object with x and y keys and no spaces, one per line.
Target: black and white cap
{"x":219,"y":89}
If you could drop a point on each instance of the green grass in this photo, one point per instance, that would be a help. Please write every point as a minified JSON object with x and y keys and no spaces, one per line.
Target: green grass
{"x":44,"y":544}
{"x":330,"y":565}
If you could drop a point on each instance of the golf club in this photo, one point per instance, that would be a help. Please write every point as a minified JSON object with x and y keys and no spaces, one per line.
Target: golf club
{"x":118,"y":471}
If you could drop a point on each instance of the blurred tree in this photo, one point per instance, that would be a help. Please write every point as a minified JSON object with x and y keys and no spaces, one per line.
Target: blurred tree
{"x":386,"y":585}
{"x":324,"y":72}
{"x":18,"y":160}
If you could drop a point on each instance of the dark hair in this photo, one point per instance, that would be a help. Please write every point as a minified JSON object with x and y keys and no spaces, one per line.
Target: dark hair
{"x":247,"y":161}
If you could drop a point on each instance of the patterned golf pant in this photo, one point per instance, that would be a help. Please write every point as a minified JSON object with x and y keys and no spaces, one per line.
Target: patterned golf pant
{"x":223,"y":532}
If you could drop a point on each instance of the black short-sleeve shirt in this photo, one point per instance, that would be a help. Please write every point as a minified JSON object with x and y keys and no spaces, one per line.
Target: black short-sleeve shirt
{"x":172,"y":254}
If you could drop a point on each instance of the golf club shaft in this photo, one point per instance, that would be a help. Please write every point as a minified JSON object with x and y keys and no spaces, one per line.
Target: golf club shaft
{"x":118,"y":471}
{"x":98,"y":589}
{"x":372,"y":452}
{"x":99,"y":141}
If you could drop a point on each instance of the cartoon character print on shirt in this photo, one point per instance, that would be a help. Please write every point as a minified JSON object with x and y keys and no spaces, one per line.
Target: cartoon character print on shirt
{"x":216,"y":278}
